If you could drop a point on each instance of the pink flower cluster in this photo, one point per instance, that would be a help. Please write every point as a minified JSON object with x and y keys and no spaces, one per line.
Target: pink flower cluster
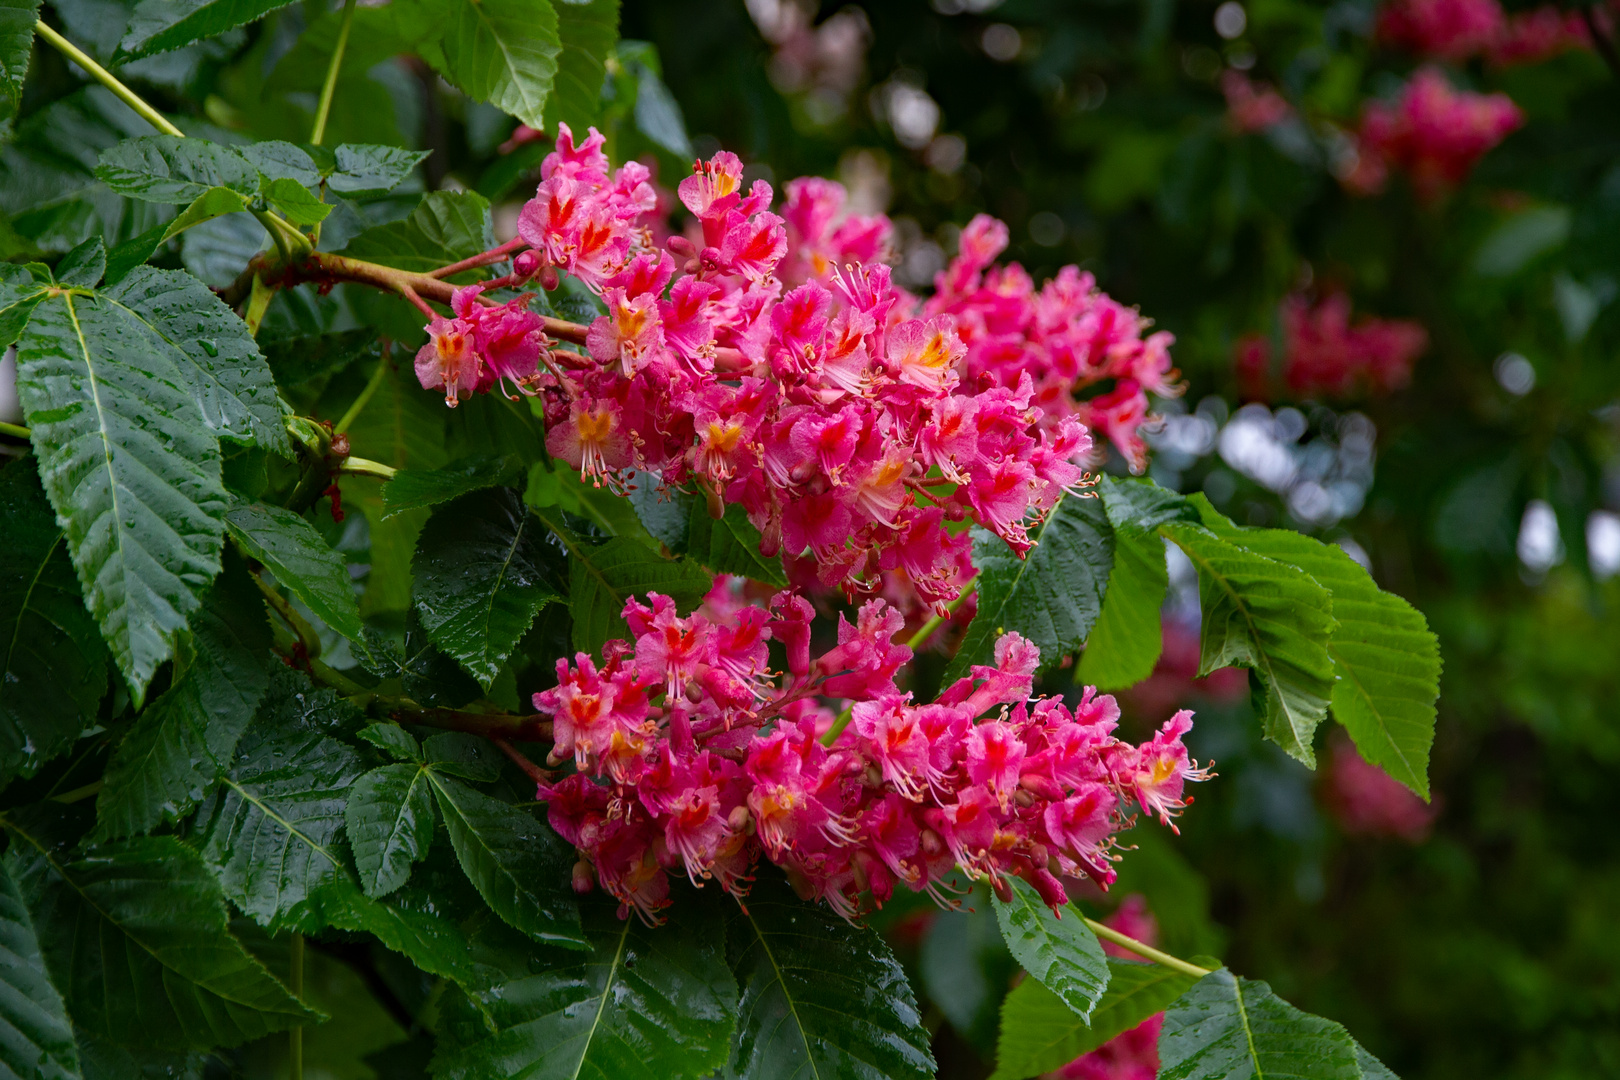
{"x":1432,"y":132}
{"x":1367,"y":801}
{"x":1324,"y":355}
{"x":769,"y":360}
{"x":478,"y":346}
{"x":691,"y":757}
{"x":1455,"y":30}
{"x":1252,"y":106}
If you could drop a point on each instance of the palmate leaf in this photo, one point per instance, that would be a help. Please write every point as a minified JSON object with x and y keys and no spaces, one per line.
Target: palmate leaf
{"x":17,"y":19}
{"x":301,"y":560}
{"x":588,"y":31}
{"x":228,"y":376}
{"x":601,"y":577}
{"x":161,"y":25}
{"x":1063,"y":954}
{"x":134,"y":935}
{"x":363,"y":169}
{"x":504,"y":52}
{"x":1039,"y":1033}
{"x":36,"y":1039}
{"x":130,"y":464}
{"x":55,"y":665}
{"x":519,"y":866}
{"x":178,"y":747}
{"x":277,"y":160}
{"x":410,"y":923}
{"x":172,"y":169}
{"x":445,"y":227}
{"x":820,"y":998}
{"x":390,"y":821}
{"x":1125,"y":644}
{"x":1386,"y":663}
{"x":646,"y":1003}
{"x":483,"y":571}
{"x":1271,"y":617}
{"x":1227,"y":1028}
{"x":1052,"y":596}
{"x":272,"y":828}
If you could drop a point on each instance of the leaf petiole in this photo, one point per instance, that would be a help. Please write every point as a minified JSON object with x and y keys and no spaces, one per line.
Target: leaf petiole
{"x":330,"y":86}
{"x":108,"y":79}
{"x":1163,"y":959}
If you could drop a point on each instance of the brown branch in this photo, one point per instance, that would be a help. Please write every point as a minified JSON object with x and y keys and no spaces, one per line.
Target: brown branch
{"x":483,"y":258}
{"x":533,"y":771}
{"x":494,"y":726}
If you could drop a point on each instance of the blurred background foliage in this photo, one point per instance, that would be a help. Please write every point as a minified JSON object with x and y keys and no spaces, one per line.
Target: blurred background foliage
{"x":1472,"y":938}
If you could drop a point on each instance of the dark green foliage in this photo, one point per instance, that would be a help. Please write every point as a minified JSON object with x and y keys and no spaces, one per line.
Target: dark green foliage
{"x":1227,"y":1027}
{"x":483,"y":571}
{"x":55,"y":669}
{"x":819,"y":997}
{"x":134,"y":935}
{"x":301,"y":561}
{"x":645,"y":1002}
{"x":390,"y":822}
{"x":177,"y":749}
{"x":39,"y":1038}
{"x":1052,"y":596}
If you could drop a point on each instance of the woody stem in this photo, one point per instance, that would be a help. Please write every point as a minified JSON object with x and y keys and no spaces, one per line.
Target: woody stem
{"x":483,"y":258}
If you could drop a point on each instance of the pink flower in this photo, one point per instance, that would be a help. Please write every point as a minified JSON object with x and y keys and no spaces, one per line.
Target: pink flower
{"x":1435,"y":133}
{"x":1159,"y":773}
{"x":1444,"y":29}
{"x":449,"y":359}
{"x":1323,"y":354}
{"x":1252,"y":106}
{"x":1367,"y":801}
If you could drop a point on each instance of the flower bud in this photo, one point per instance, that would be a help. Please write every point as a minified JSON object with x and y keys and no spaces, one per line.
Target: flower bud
{"x":584,"y":877}
{"x":526,"y":265}
{"x":549,"y":279}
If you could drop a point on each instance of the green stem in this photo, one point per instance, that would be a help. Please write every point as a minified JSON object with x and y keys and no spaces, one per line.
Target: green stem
{"x":365,"y":397}
{"x":330,"y":86}
{"x":307,"y":637}
{"x":838,"y":725}
{"x":359,"y":466}
{"x":295,"y":1037}
{"x":258,"y":303}
{"x":928,"y":628}
{"x":78,"y":794}
{"x":107,"y":79}
{"x":14,"y":429}
{"x":1163,"y":959}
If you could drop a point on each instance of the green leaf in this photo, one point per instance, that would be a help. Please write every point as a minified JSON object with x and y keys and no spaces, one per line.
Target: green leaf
{"x":1062,"y":953}
{"x":101,"y":1060}
{"x":445,"y":227}
{"x":1125,"y":644}
{"x":730,"y":545}
{"x":38,"y":1037}
{"x":1371,"y":1067}
{"x":301,"y":560}
{"x":372,"y":170}
{"x":177,"y":749}
{"x":161,"y":25}
{"x":17,"y":19}
{"x":417,"y":489}
{"x":463,"y":755}
{"x":84,"y":265}
{"x":278,"y":160}
{"x":130,"y":464}
{"x":504,"y":52}
{"x":820,"y":997}
{"x":272,"y":829}
{"x":1233,"y":1029}
{"x":228,"y":376}
{"x":211,"y":204}
{"x":409,"y":923}
{"x":172,"y":169}
{"x":554,"y":484}
{"x":1039,"y":1033}
{"x":646,"y":1003}
{"x":392,"y":740}
{"x":519,"y":866}
{"x":296,"y":202}
{"x":1270,"y":617}
{"x":1386,"y":663}
{"x":390,"y":819}
{"x":20,"y":293}
{"x":965,"y":970}
{"x":55,"y":669}
{"x":1052,"y":596}
{"x":483,"y":571}
{"x":588,"y":32}
{"x":601,"y":577}
{"x":134,"y":934}
{"x":657,"y":113}
{"x":1143,"y":505}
